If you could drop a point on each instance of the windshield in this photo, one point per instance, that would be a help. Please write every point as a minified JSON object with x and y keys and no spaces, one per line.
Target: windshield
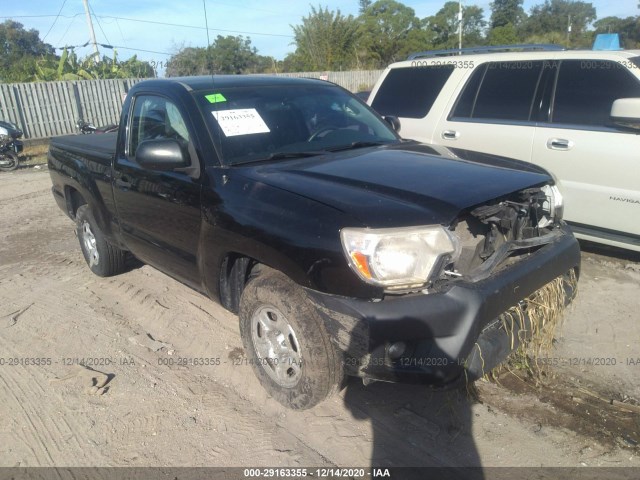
{"x":253,"y":124}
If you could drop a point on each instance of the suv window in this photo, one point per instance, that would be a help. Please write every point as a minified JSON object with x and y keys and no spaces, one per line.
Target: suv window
{"x":410,"y":92}
{"x":500,"y":91}
{"x":155,"y":117}
{"x":586,"y":90}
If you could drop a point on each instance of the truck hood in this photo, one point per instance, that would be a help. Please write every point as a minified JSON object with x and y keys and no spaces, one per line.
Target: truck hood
{"x":400,"y":185}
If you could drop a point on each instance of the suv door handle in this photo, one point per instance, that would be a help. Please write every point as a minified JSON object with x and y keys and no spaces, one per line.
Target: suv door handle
{"x":450,"y":135}
{"x":559,"y":144}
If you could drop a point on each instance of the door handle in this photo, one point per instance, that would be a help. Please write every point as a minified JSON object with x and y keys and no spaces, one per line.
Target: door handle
{"x":559,"y":144}
{"x":450,"y":135}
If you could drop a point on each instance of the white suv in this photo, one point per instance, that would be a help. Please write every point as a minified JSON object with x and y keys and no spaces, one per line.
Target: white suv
{"x":575,"y":113}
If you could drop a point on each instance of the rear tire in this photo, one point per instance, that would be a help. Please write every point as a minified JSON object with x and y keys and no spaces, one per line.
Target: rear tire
{"x":286,"y":342}
{"x":103,"y":258}
{"x":12,"y":161}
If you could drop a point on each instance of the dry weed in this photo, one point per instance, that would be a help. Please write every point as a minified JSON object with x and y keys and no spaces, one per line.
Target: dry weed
{"x":534,"y":325}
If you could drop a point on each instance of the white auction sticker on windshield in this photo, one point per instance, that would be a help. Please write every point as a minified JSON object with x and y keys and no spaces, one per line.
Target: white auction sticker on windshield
{"x":244,"y":121}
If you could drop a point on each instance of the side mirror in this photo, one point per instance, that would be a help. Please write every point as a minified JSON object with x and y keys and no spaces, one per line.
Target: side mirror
{"x":162,"y":154}
{"x":625,"y":113}
{"x":394,"y":122}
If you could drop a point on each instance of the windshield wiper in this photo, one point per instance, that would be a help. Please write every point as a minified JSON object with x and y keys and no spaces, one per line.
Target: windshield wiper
{"x":353,"y":145}
{"x":283,"y":155}
{"x":279,"y":155}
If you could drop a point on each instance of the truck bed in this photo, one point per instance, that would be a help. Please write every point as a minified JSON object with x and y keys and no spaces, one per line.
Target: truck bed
{"x":96,"y":146}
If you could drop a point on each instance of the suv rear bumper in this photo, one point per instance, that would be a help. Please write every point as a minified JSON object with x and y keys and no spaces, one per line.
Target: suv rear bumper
{"x":444,"y":333}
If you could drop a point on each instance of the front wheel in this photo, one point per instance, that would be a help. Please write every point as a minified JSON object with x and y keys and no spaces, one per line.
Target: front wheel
{"x":103,"y":258}
{"x":287,"y":343}
{"x":8,"y":161}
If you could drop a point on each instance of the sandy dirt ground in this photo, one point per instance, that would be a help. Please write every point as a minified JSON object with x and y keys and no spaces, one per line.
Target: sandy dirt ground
{"x":167,"y":385}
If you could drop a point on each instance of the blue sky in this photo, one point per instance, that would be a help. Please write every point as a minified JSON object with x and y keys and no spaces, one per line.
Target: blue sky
{"x":267,"y":22}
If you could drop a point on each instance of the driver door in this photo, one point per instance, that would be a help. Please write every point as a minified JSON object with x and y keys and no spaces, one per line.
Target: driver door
{"x":159,"y":211}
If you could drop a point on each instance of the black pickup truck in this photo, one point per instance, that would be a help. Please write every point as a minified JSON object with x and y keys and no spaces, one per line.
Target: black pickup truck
{"x":344,"y":249}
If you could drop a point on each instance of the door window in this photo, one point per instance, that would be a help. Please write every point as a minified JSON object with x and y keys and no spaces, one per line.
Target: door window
{"x":586,"y":90}
{"x":500,"y":91}
{"x":155,"y":117}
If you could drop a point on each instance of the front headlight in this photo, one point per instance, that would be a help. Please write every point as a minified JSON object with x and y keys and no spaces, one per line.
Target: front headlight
{"x":397,"y":257}
{"x":554,"y":205}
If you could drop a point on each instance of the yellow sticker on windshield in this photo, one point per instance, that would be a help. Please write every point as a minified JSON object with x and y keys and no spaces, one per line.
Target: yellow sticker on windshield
{"x":215,"y":98}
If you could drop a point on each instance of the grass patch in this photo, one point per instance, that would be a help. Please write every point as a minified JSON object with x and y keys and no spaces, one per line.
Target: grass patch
{"x":34,"y":154}
{"x":533,"y":325}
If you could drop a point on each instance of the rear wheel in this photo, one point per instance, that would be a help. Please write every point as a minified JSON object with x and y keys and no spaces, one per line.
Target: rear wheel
{"x":287,"y":343}
{"x":103,"y":258}
{"x":8,"y":161}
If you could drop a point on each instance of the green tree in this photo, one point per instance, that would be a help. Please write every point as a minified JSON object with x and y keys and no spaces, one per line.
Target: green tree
{"x":445,"y":25}
{"x":386,"y":28}
{"x":67,"y":67}
{"x":503,"y":35}
{"x":70,"y":67}
{"x":628,"y":28}
{"x":364,"y":4}
{"x":553,"y":17}
{"x":293,"y":62}
{"x":134,"y":68}
{"x":19,"y":51}
{"x":473,"y":25}
{"x":325,"y":40}
{"x":189,"y":61}
{"x":25,"y":58}
{"x":504,"y":12}
{"x":226,"y":55}
{"x":418,"y":40}
{"x":233,"y":54}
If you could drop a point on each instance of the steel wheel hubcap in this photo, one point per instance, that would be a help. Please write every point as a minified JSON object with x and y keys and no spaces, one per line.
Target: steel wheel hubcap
{"x":276,"y":346}
{"x":90,"y":246}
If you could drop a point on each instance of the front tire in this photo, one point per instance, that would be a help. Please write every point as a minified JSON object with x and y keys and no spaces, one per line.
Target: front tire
{"x":103,"y":258}
{"x":286,"y":342}
{"x":9,"y":162}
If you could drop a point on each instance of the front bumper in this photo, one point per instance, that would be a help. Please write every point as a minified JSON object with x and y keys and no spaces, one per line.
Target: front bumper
{"x":442,"y":332}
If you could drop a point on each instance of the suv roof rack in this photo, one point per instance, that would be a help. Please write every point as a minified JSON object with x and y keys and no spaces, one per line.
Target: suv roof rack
{"x":487,"y":49}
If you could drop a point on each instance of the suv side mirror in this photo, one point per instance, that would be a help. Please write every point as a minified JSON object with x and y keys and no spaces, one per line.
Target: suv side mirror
{"x":161,"y":154}
{"x":394,"y":122}
{"x":625,"y":113}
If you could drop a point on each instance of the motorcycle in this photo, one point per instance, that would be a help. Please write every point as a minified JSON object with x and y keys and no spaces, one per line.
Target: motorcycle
{"x":86,"y":128}
{"x":10,"y":146}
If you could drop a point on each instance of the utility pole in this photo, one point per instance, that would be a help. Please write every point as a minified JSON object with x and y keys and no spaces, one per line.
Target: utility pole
{"x":568,"y":29}
{"x":460,"y":24}
{"x":91,"y":32}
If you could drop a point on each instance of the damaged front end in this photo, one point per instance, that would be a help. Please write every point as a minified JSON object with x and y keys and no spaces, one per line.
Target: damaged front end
{"x":502,"y":232}
{"x":504,"y":256}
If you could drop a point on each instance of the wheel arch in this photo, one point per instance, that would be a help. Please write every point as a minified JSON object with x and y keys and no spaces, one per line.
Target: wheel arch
{"x":236,"y":270}
{"x":74,"y":200}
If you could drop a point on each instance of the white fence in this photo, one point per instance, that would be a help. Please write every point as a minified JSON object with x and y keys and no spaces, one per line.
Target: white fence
{"x":48,"y":109}
{"x":353,"y":80}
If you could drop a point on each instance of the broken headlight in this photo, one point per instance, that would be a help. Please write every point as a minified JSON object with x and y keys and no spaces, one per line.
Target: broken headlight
{"x":397,"y":258}
{"x":554,"y":204}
